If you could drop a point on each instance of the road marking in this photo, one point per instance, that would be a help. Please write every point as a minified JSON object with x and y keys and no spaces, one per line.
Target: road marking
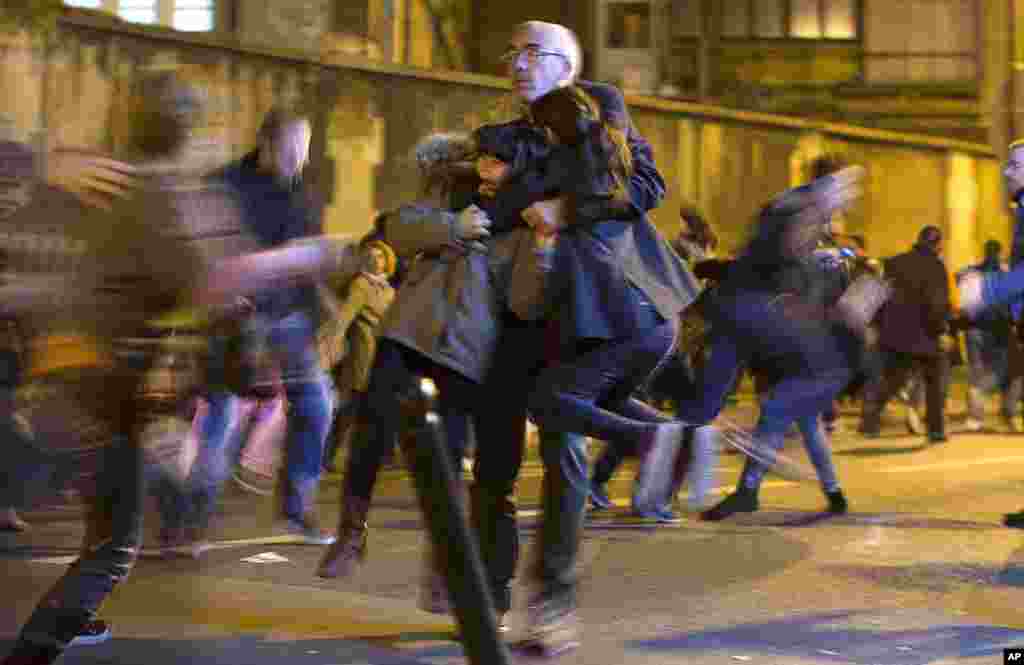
{"x":953,"y":465}
{"x":266,"y":557}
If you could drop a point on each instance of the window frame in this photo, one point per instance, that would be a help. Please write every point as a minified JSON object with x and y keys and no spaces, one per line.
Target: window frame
{"x":165,"y":11}
{"x":787,"y":28}
{"x":928,"y":84}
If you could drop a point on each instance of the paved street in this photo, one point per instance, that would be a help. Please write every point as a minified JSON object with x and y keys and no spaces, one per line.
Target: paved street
{"x":920,"y":572}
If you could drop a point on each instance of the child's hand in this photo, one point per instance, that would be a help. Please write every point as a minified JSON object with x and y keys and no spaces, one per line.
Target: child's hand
{"x":546,"y":217}
{"x":492,"y":172}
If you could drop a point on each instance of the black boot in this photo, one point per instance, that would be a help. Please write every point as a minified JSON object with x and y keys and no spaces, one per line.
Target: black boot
{"x":837,"y":504}
{"x":743,"y":500}
{"x":1014,"y":520}
{"x":25,"y":653}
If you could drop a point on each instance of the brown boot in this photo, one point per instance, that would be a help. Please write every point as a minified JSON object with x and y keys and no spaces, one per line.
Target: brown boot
{"x":350,"y":547}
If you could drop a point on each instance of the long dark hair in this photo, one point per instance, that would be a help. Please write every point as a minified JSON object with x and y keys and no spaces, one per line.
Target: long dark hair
{"x":568,"y":110}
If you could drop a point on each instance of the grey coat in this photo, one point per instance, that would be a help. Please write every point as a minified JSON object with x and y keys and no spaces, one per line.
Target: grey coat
{"x":449,"y":306}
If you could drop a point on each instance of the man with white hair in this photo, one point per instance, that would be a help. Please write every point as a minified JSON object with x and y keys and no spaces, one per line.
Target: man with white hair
{"x":541,"y":58}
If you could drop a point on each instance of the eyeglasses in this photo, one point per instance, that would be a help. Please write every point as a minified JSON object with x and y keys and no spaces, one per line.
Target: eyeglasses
{"x":532,"y":53}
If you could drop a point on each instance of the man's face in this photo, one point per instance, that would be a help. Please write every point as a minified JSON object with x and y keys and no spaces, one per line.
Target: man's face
{"x":1014,"y":171}
{"x":535,"y":64}
{"x":290,"y":151}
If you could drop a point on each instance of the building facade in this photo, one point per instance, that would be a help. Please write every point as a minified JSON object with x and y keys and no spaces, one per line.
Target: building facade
{"x":914,"y":65}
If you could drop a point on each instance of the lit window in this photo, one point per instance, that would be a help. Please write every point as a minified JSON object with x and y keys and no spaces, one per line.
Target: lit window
{"x":840,"y":19}
{"x":193,"y":15}
{"x":805,"y":21}
{"x":808,"y":19}
{"x":138,"y":11}
{"x":85,"y":4}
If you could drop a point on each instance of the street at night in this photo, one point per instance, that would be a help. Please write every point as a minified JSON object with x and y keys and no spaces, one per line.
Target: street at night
{"x":919,"y":572}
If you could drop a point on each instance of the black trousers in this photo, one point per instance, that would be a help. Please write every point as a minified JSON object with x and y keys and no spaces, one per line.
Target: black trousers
{"x":897,"y":367}
{"x":500,"y":428}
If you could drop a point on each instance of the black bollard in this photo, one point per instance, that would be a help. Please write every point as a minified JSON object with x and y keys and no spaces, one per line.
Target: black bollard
{"x":452,"y":538}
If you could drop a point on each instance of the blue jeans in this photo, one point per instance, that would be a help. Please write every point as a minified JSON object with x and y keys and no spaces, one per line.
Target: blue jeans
{"x":817,"y":447}
{"x":592,"y":394}
{"x":987,"y":370}
{"x":564,"y":501}
{"x":308,"y":391}
{"x":193,"y":505}
{"x":589,"y":394}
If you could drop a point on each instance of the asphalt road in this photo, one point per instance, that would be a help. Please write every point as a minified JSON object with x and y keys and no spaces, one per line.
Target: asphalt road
{"x":920,"y":572}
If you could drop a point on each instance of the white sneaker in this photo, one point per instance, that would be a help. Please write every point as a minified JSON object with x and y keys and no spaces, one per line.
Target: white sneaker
{"x":914,"y":422}
{"x":654,"y":474}
{"x":703,"y":465}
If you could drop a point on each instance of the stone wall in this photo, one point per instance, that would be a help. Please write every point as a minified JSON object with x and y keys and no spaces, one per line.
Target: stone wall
{"x":292,"y":24}
{"x":369,"y":115}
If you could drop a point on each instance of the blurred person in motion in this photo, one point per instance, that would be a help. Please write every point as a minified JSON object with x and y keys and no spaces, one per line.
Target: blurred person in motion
{"x":911,"y":329}
{"x":276,"y":209}
{"x":695,"y":243}
{"x":137,"y":258}
{"x":793,"y":264}
{"x":84,"y":178}
{"x":988,"y":347}
{"x":767,"y":312}
{"x":980,"y":291}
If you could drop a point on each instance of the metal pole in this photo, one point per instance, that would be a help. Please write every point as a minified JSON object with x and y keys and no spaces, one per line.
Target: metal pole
{"x":453,"y":540}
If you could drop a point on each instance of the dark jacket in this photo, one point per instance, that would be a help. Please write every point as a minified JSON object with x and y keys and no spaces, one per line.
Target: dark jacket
{"x":615,"y":275}
{"x":767,"y":264}
{"x":646,"y":186}
{"x":275,"y":215}
{"x":915,"y":316}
